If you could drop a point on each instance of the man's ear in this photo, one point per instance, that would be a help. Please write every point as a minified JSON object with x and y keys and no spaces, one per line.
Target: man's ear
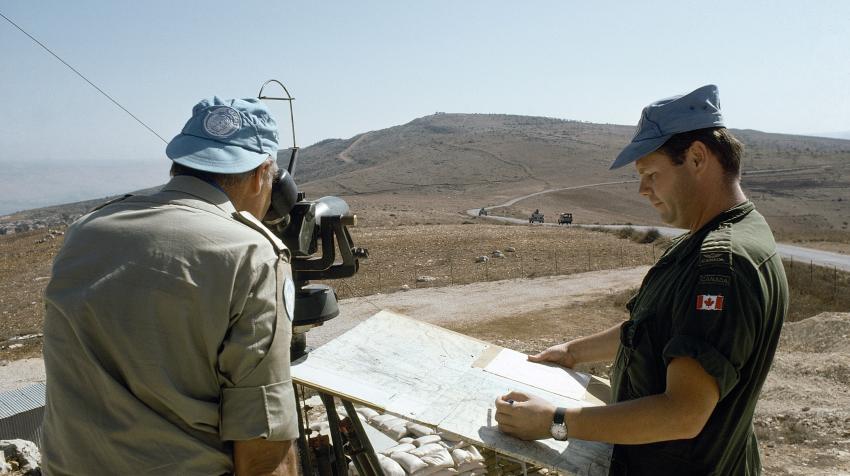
{"x":258,"y":177}
{"x":697,"y":155}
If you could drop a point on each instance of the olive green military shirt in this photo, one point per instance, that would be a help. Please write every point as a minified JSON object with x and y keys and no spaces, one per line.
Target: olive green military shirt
{"x":166,"y":337}
{"x":719,"y":296}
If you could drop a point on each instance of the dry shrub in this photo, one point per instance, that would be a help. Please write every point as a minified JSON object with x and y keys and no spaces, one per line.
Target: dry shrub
{"x":619,"y":300}
{"x":623,"y":233}
{"x":648,"y":236}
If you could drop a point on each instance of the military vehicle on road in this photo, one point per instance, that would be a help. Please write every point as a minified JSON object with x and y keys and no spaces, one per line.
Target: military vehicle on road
{"x":536,"y":217}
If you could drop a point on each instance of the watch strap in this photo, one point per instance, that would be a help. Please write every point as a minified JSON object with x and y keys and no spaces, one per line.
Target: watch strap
{"x":560,"y":412}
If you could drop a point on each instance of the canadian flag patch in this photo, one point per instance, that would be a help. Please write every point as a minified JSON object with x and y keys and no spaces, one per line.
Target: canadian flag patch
{"x":709,"y":302}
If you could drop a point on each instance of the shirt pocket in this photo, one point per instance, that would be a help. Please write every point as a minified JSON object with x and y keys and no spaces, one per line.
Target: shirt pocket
{"x":642,"y":359}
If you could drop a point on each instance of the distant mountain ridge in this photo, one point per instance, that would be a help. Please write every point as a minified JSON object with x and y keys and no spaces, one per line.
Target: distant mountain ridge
{"x":835,"y":135}
{"x":32,"y":183}
{"x":480,"y":158}
{"x":447,"y":151}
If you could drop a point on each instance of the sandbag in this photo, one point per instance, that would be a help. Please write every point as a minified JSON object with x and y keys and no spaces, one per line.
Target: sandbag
{"x":410,"y":463}
{"x":320,"y":427}
{"x":419,"y":430}
{"x":391,"y":423}
{"x":390,"y":466}
{"x":378,"y":419}
{"x":395,"y":432}
{"x":402,"y":447}
{"x":367,"y":413}
{"x":435,"y":455}
{"x":453,"y":445}
{"x":424,"y":440}
{"x":450,"y":436}
{"x":436,"y":471}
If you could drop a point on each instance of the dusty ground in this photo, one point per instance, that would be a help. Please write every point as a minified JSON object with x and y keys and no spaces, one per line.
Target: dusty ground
{"x":833,"y":246}
{"x":803,"y":416}
{"x":557,"y":279}
{"x":399,"y":255}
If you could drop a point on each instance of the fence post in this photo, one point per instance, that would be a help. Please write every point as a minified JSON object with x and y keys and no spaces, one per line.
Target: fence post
{"x":811,"y":271}
{"x":487,"y":270}
{"x":451,"y":271}
{"x":556,"y":264}
{"x":620,"y":265}
{"x":379,"y":281}
{"x":834,"y":284}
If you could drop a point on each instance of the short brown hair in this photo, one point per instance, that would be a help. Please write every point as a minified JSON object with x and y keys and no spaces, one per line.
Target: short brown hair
{"x":719,"y":141}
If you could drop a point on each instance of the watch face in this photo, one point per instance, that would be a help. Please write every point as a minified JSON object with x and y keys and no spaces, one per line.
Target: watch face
{"x":559,"y":431}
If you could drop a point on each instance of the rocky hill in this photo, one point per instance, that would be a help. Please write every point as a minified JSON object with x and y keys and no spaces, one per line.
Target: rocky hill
{"x":444,"y":163}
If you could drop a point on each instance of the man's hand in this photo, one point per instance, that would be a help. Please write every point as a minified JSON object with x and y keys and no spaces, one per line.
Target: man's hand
{"x":527,"y":417}
{"x":559,"y":354}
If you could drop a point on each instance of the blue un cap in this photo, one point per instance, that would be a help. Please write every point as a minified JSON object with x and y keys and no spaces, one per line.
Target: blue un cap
{"x":225,"y":136}
{"x":662,"y":119}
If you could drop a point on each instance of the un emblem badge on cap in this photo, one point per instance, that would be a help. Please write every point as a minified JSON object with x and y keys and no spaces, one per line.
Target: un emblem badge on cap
{"x":222,"y":121}
{"x":225,"y":136}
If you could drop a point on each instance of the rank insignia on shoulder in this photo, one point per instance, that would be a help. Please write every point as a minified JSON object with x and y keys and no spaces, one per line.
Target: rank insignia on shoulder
{"x":710,"y":302}
{"x":714,"y":258}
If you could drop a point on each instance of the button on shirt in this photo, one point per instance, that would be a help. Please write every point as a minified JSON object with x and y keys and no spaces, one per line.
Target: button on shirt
{"x":719,"y":296}
{"x":166,"y":338}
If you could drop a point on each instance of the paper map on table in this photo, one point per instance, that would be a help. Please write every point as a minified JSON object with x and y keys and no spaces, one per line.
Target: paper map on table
{"x":515,"y":366}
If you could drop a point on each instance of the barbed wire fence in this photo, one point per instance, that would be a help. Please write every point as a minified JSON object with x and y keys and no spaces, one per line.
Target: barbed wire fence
{"x":439,"y":267}
{"x":813,"y":288}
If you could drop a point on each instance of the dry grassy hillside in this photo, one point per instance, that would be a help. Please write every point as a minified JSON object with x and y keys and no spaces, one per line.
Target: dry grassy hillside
{"x":433,"y":168}
{"x":452,"y":162}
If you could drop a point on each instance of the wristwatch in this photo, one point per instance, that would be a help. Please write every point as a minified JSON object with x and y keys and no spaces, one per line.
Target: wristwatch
{"x":559,"y":425}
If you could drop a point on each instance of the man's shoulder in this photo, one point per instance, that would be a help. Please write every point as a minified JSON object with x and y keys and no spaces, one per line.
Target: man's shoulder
{"x":189,"y":220}
{"x":752,"y":239}
{"x":747,"y":238}
{"x":203,"y":225}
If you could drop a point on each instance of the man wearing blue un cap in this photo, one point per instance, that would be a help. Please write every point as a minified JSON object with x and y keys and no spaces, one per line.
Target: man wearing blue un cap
{"x":168,"y":317}
{"x":690,"y":362}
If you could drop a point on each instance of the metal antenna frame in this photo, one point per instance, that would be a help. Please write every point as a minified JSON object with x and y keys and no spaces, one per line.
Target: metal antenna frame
{"x":290,"y":99}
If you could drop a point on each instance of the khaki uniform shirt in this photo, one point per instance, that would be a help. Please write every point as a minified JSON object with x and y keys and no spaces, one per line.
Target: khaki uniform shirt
{"x":719,"y":296}
{"x":166,"y":337}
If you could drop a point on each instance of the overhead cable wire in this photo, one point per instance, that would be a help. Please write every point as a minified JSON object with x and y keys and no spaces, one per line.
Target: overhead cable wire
{"x":84,"y":78}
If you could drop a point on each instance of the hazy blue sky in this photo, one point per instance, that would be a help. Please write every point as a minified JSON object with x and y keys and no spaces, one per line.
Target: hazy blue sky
{"x":782,"y":66}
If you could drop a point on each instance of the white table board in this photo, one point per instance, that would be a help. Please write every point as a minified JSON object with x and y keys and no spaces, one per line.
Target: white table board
{"x":433,"y":376}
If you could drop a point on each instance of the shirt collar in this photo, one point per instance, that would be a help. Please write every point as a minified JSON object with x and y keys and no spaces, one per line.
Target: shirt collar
{"x":202,"y":190}
{"x":696,"y":238}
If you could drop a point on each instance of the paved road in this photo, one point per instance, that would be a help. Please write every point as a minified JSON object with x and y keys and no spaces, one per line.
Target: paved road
{"x":797,"y":253}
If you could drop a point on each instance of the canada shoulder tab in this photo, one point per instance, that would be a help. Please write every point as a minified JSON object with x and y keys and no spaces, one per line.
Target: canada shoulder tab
{"x":716,"y":248}
{"x":250,"y":220}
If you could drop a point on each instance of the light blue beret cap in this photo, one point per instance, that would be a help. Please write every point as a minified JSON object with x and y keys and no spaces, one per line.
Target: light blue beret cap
{"x":662,"y":119}
{"x":225,"y":136}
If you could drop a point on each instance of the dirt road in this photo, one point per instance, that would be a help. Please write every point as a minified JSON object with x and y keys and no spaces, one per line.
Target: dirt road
{"x":482,"y":301}
{"x":798,"y":253}
{"x":802,"y":419}
{"x":456,"y":304}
